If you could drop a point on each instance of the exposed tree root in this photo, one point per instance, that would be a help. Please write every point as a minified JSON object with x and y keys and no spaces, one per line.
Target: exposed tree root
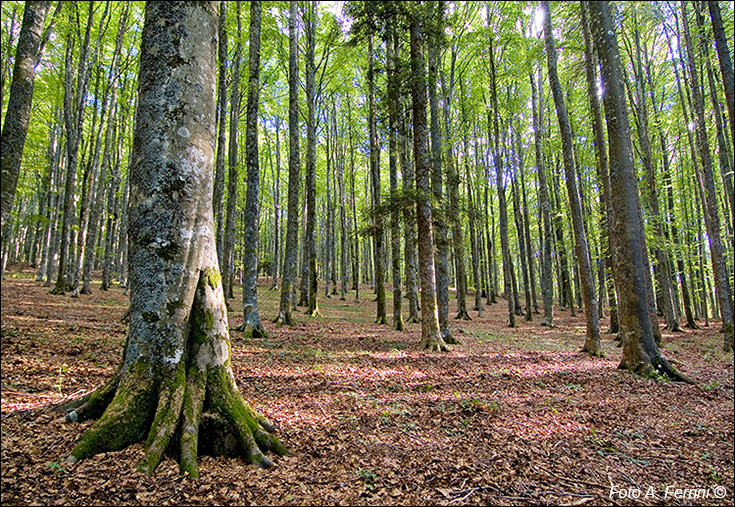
{"x":463,"y":315}
{"x":283,"y":319}
{"x":166,"y":402}
{"x":435,"y":345}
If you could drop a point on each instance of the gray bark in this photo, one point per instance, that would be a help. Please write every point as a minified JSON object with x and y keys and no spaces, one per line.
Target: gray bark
{"x":228,"y":250}
{"x":176,"y":371}
{"x":251,"y":317}
{"x":438,"y":215}
{"x":711,"y":215}
{"x":592,"y":343}
{"x":375,"y":180}
{"x":391,"y":42}
{"x":292,"y":225}
{"x":430,"y":335}
{"x":640,"y":352}
{"x":15,"y":126}
{"x":218,"y":195}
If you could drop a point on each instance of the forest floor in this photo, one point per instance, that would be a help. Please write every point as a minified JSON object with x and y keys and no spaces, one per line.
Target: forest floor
{"x":509,"y":416}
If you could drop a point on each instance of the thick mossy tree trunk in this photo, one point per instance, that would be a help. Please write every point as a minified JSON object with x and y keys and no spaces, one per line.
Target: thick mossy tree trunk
{"x":430,"y":336}
{"x":176,"y":373}
{"x":640,"y":352}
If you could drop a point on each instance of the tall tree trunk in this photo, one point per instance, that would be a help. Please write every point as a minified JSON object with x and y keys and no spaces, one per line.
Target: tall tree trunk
{"x":472,"y":215}
{"x":547,"y":282}
{"x":661,"y":267}
{"x":606,"y":212}
{"x":218,"y":195}
{"x":15,"y":126}
{"x":430,"y":335}
{"x":391,"y":42}
{"x":640,"y":352}
{"x":453,"y":190}
{"x":98,"y":199}
{"x":438,"y":214}
{"x":310,"y":233}
{"x":409,"y":224}
{"x":724,"y":153}
{"x":592,"y":343}
{"x":175,"y":376}
{"x":228,"y":250}
{"x":711,"y":214}
{"x":72,"y":113}
{"x":288,"y":286}
{"x":516,"y":150}
{"x":277,"y":209}
{"x":499,"y":181}
{"x":54,"y":153}
{"x":375,"y":180}
{"x":251,"y":317}
{"x":723,"y":53}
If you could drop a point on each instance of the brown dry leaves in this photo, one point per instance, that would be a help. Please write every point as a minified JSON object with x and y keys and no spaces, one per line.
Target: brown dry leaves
{"x":508,"y":417}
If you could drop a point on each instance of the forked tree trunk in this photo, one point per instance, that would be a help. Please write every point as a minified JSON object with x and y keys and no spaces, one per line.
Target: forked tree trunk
{"x":176,"y":374}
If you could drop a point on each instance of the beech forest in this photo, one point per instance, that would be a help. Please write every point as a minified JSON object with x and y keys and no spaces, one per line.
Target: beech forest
{"x":367,"y":252}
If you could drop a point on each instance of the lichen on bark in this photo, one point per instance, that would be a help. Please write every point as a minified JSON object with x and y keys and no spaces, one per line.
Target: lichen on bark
{"x":176,"y":370}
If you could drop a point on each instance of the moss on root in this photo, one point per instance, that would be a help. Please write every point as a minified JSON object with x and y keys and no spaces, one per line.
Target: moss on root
{"x":124,"y":420}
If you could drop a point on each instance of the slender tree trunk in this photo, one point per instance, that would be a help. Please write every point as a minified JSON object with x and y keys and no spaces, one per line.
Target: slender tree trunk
{"x":310,"y":234}
{"x":15,"y":126}
{"x":288,"y":286}
{"x":409,"y":225}
{"x":228,"y":251}
{"x":516,"y":149}
{"x":499,"y":181}
{"x":251,"y":317}
{"x":218,"y":196}
{"x":592,"y":342}
{"x":375,"y":180}
{"x":723,"y":53}
{"x":430,"y":335}
{"x":439,"y":213}
{"x":711,"y":215}
{"x":277,"y":209}
{"x":547,"y":282}
{"x":640,"y":352}
{"x":391,"y":42}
